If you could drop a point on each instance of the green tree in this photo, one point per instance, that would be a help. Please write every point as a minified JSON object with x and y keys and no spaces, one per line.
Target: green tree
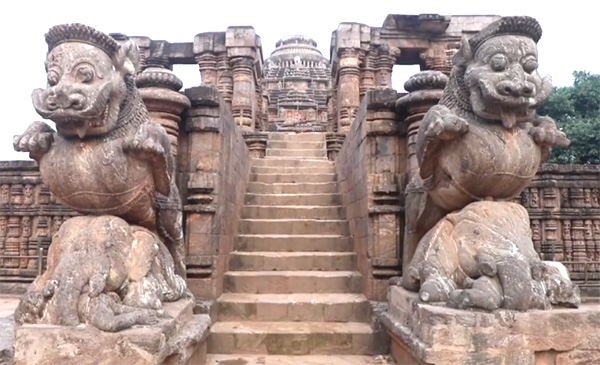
{"x":576,"y":110}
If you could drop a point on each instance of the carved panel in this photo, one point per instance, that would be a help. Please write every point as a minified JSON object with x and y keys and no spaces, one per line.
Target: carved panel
{"x":29,"y":216}
{"x":563,"y":204}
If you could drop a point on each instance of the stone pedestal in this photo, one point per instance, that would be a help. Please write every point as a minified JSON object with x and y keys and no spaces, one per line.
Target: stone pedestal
{"x":257,"y":144}
{"x":180,"y":338}
{"x":429,"y":334}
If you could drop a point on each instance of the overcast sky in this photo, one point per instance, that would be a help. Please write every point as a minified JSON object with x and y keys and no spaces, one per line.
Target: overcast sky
{"x":569,"y":41}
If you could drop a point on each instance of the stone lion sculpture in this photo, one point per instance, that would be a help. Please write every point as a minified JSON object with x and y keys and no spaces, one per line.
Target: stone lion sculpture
{"x":482,"y":142}
{"x":106,"y":157}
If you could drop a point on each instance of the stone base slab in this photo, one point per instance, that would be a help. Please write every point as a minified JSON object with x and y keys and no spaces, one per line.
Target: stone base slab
{"x":429,"y":334}
{"x":179,"y":338}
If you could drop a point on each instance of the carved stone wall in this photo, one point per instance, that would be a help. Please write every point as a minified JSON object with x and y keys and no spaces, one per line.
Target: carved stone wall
{"x":369,"y":167}
{"x":564,"y":207}
{"x":213,"y":176}
{"x":29,"y":216}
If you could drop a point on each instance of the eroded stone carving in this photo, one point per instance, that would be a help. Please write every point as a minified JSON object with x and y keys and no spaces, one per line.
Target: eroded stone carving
{"x":477,"y":150}
{"x":107,"y":159}
{"x":113,"y":278}
{"x":482,"y":256}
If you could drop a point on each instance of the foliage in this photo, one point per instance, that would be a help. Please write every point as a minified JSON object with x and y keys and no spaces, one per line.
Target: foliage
{"x":576,"y":110}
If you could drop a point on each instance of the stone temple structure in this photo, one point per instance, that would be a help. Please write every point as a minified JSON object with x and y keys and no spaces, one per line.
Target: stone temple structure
{"x":297,"y":209}
{"x":296,"y":86}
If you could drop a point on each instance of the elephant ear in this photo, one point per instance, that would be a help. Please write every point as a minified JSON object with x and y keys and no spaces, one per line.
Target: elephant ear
{"x":127,"y":58}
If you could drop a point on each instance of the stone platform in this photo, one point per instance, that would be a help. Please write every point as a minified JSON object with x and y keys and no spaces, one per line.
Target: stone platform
{"x":180,"y":338}
{"x":429,"y":334}
{"x":214,"y":359}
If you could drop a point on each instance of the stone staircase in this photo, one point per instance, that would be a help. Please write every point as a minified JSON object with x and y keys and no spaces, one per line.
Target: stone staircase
{"x":293,"y":288}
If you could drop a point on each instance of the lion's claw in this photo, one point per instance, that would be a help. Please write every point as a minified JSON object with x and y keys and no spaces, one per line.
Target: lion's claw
{"x":37,"y":139}
{"x":146,"y":143}
{"x":447,"y":127}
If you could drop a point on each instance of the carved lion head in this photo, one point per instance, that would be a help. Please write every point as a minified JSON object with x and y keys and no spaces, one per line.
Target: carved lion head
{"x":89,"y":74}
{"x":499,"y":66}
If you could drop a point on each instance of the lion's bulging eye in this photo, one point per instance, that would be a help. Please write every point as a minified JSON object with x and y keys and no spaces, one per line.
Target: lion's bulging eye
{"x":498,"y":62}
{"x":530,"y":65}
{"x":53,"y":77}
{"x":86,"y":74}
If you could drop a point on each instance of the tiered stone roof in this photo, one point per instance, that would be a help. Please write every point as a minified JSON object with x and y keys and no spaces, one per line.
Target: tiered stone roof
{"x":296,"y":58}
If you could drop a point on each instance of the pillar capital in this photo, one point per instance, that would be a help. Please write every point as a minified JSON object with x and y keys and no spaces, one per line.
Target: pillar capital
{"x":159,"y":89}
{"x":439,"y":57}
{"x":241,"y":62}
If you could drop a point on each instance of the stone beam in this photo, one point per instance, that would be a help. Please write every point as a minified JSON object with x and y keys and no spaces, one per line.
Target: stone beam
{"x":434,"y":37}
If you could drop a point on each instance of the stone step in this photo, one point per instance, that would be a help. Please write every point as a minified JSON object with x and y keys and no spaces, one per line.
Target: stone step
{"x":288,"y":282}
{"x":293,"y":226}
{"x":293,"y":199}
{"x":292,"y":188}
{"x":297,"y":137}
{"x":296,"y":145}
{"x":291,"y":338}
{"x":248,"y":359}
{"x":188,"y":343}
{"x":292,"y":170}
{"x":293,"y":211}
{"x":286,"y":261}
{"x":290,"y":162}
{"x":290,"y":243}
{"x":297,"y":153}
{"x":294,"y":307}
{"x":293,"y":178}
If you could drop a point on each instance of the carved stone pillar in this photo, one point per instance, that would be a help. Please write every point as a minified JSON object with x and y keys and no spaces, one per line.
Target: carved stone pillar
{"x":386,"y":164}
{"x":159,"y":88}
{"x":384,"y":63}
{"x":568,"y":243}
{"x":259,"y":114}
{"x":224,"y":78}
{"x":579,"y":254}
{"x":332,"y":125}
{"x":367,"y":72}
{"x":243,"y":92}
{"x":334,"y":145}
{"x":202,"y":125}
{"x":425,"y":90}
{"x":348,"y":90}
{"x":207,"y":64}
{"x":439,"y":57}
{"x":11,"y":245}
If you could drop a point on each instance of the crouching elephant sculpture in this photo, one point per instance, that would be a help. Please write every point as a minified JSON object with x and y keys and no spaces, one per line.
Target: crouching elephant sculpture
{"x":103,"y":272}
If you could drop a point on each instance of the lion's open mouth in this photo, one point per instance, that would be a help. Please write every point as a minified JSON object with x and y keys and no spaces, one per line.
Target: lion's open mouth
{"x":508,"y":109}
{"x":81,"y":125}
